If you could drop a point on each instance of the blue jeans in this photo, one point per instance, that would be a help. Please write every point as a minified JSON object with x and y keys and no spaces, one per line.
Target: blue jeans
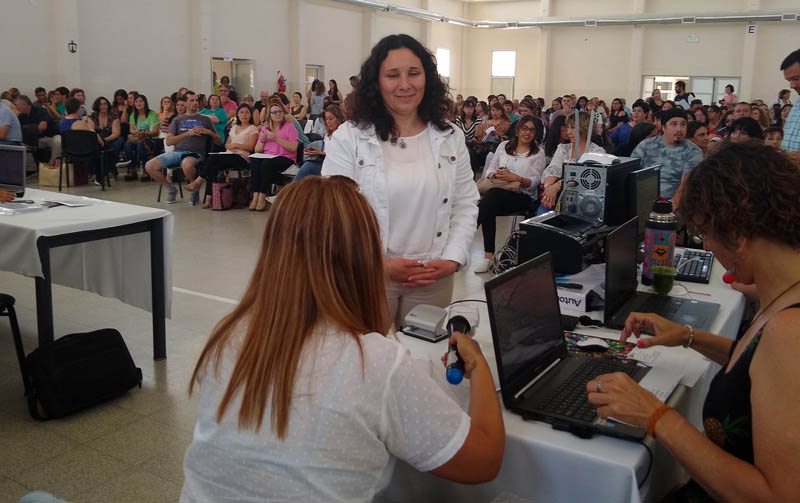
{"x":136,"y":153}
{"x":309,"y":168}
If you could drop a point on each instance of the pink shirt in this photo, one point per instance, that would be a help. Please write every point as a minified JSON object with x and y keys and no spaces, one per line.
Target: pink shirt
{"x":230,"y":106}
{"x":287,"y":132}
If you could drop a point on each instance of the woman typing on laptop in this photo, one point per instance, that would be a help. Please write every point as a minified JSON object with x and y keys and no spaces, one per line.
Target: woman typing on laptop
{"x":745,"y":201}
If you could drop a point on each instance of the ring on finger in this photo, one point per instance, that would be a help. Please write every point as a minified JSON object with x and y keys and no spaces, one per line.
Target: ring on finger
{"x":599,"y":386}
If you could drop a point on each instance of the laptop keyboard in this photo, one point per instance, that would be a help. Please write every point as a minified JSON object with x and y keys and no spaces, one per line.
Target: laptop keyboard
{"x":570,"y":400}
{"x":696,"y":271}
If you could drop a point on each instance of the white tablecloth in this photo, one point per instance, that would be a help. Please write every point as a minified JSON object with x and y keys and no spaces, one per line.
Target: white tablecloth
{"x":544,"y":465}
{"x":117,"y":267}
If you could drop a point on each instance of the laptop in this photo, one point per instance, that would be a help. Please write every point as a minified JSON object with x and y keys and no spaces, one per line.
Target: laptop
{"x":12,"y":169}
{"x":622,"y":297}
{"x":539,"y":379}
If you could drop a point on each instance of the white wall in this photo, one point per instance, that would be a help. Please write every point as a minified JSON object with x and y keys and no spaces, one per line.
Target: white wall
{"x":159,"y":46}
{"x":28,"y":50}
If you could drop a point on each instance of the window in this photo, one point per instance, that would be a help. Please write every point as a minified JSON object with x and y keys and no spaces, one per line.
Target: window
{"x":504,"y":63}
{"x":443,"y":62}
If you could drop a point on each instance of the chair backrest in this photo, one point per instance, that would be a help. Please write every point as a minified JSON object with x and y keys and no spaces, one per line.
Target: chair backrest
{"x":79,"y":143}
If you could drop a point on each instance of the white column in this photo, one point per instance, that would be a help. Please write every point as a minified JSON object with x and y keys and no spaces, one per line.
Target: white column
{"x":749,"y":55}
{"x":296,"y":73}
{"x":65,"y":28}
{"x":200,"y":54}
{"x":634,"y":87}
{"x":545,"y":35}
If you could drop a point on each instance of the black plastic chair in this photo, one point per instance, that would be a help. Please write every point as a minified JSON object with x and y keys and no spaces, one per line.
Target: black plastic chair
{"x":177,"y":171}
{"x":79,"y":145}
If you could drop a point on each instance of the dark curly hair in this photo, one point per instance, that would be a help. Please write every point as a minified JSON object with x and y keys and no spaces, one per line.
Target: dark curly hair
{"x":511,"y":146}
{"x":368,"y":106}
{"x":744,"y":190}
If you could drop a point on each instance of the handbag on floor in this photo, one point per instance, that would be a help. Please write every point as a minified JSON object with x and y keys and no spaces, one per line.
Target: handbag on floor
{"x":78,"y":371}
{"x":221,"y":196}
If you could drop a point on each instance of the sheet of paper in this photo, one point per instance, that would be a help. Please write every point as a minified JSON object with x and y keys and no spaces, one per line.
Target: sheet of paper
{"x":71,"y":204}
{"x":661,"y":382}
{"x":262,"y":156}
{"x":229,"y":153}
{"x":690,"y":364}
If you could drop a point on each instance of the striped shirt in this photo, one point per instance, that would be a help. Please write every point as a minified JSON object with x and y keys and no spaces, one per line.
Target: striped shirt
{"x":469,"y":132}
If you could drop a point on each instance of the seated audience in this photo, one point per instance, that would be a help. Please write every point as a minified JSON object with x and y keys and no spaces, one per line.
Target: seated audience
{"x":303,"y":374}
{"x":564,"y":153}
{"x":103,"y":122}
{"x":557,"y":134}
{"x":165,"y":115}
{"x":671,"y":151}
{"x":700,"y":115}
{"x":216,"y":114}
{"x":745,"y":201}
{"x":639,"y":133}
{"x":773,"y":137}
{"x":61,"y":96}
{"x":227,"y":104}
{"x":499,"y":121}
{"x":697,"y":133}
{"x":508,"y":107}
{"x":125,"y":111}
{"x":10,"y":129}
{"x":188,"y":133}
{"x":784,"y":98}
{"x":468,"y":120}
{"x":278,"y":137}
{"x":519,"y":160}
{"x":144,"y":124}
{"x":483,"y":110}
{"x":334,"y":117}
{"x":249,"y":101}
{"x":258,"y":106}
{"x":746,"y":129}
{"x":72,"y":117}
{"x":618,"y":115}
{"x":80,"y":96}
{"x":622,"y":131}
{"x":41,"y":97}
{"x":297,"y":109}
{"x":241,"y":141}
{"x":655,"y":102}
{"x":529,"y":106}
{"x":37,"y":119}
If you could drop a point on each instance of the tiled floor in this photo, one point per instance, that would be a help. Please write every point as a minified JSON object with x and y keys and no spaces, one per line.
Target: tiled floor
{"x":131,"y":449}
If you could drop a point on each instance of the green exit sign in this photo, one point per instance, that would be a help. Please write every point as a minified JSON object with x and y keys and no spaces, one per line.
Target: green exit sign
{"x":693,"y":39}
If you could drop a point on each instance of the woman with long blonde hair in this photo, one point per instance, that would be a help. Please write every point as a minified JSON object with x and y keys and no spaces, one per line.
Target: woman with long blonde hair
{"x":302,"y":395}
{"x":280,"y":139}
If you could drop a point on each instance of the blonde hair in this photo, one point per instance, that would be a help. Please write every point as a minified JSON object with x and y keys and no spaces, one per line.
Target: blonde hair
{"x":274,"y":101}
{"x":321,"y":260}
{"x":583,"y":124}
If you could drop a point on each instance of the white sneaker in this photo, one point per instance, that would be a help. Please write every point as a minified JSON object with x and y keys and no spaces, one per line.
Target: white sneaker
{"x":482,"y":266}
{"x":123,"y":164}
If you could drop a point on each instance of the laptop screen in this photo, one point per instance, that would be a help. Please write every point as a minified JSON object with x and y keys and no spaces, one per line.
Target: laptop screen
{"x":525,"y":320}
{"x":12,"y":166}
{"x":621,"y":246}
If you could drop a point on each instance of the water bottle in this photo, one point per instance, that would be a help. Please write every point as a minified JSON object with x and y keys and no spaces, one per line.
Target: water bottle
{"x":659,"y":239}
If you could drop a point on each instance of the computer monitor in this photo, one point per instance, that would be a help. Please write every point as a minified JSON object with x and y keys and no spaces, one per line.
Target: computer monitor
{"x":644,"y":187}
{"x":12,"y":169}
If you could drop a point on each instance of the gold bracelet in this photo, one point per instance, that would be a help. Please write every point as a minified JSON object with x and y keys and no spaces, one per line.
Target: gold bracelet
{"x":651,"y":423}
{"x":691,"y":336}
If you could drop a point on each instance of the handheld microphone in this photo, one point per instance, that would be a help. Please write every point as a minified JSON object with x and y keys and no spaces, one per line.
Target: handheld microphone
{"x":454,"y":372}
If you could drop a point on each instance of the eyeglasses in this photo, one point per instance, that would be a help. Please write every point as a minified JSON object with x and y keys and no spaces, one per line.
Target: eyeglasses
{"x":526,"y":129}
{"x":276,"y":112}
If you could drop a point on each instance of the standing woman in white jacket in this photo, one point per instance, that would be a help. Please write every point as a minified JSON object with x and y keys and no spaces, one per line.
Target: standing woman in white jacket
{"x":413,"y":168}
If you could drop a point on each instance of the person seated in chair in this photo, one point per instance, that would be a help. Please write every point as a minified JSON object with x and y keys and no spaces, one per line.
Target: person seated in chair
{"x":188,"y":133}
{"x":278,"y":137}
{"x":10,"y":129}
{"x":519,"y":160}
{"x":144,"y":124}
{"x":31,"y":116}
{"x":334,"y":117}
{"x":105,"y":123}
{"x":241,"y":140}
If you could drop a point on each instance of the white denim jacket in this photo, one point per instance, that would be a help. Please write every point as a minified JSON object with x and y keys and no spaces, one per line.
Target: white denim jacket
{"x":356,"y":153}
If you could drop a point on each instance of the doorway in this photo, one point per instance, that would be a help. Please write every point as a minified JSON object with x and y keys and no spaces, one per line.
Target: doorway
{"x":314,"y":72}
{"x":241,"y":73}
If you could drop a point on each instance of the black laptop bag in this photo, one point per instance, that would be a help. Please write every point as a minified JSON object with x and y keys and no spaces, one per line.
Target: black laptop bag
{"x":78,"y":371}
